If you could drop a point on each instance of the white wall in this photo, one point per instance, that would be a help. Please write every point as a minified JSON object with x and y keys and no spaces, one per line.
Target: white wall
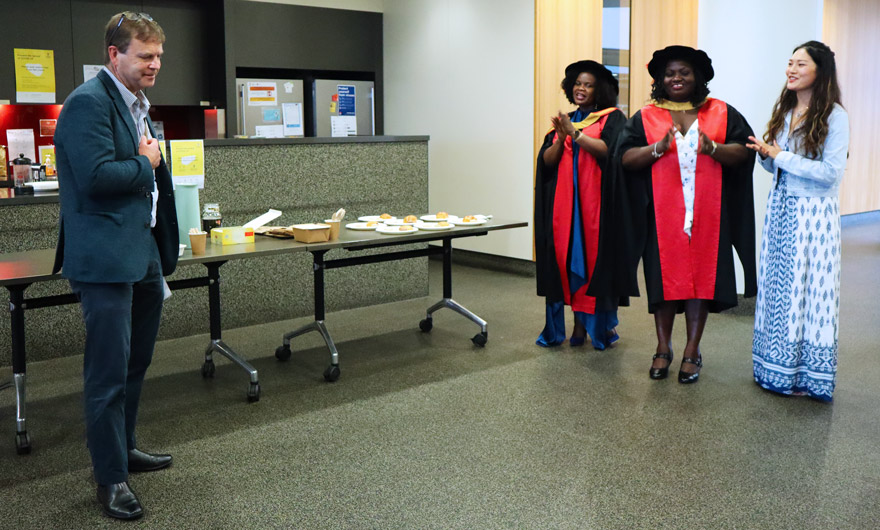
{"x":750,"y":42}
{"x":374,"y":6}
{"x":462,"y":72}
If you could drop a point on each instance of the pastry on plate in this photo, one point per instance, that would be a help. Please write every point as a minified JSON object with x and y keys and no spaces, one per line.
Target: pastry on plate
{"x":443,"y":223}
{"x":410,"y":219}
{"x":405,"y":228}
{"x":442,"y":215}
{"x":385,"y":216}
{"x":468,"y":218}
{"x":372,"y":223}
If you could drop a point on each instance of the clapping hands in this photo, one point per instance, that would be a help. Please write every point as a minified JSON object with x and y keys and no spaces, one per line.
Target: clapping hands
{"x":764,"y":149}
{"x":563,"y":125}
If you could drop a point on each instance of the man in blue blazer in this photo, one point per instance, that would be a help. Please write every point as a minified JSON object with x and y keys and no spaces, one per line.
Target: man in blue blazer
{"x":118,"y":238}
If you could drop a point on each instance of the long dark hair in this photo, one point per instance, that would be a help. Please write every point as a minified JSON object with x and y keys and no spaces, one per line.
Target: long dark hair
{"x":701,"y":86}
{"x":826,"y":92}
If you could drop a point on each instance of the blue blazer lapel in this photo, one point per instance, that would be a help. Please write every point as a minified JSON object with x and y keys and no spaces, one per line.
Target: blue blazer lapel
{"x":121,"y":109}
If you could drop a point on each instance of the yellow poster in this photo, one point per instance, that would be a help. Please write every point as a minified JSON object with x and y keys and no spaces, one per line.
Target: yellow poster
{"x":162,"y":149}
{"x":47,"y":154}
{"x":188,"y":162}
{"x":34,"y":76}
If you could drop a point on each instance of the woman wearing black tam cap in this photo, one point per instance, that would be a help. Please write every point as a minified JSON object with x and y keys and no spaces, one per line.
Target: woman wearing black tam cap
{"x":571,"y":191}
{"x":689,"y":176}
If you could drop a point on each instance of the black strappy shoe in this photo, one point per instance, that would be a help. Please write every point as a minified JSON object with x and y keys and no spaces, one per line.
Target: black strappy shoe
{"x":686,"y":378}
{"x":661,"y":373}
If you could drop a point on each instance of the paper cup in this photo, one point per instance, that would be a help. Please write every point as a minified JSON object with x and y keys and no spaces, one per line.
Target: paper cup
{"x":197,"y":241}
{"x":334,"y":228}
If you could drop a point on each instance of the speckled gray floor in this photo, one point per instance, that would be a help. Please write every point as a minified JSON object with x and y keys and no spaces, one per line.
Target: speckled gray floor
{"x":428,"y":431}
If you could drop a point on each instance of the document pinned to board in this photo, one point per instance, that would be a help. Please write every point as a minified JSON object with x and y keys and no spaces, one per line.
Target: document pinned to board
{"x":188,"y":162}
{"x":343,"y":126}
{"x":21,"y":142}
{"x":293,"y":122}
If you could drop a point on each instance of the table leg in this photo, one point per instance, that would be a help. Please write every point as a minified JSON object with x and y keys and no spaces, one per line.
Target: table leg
{"x":217,"y":345}
{"x":16,"y":309}
{"x":282,"y":353}
{"x":427,"y":324}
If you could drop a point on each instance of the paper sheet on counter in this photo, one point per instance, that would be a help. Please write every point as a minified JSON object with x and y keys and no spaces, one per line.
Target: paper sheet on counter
{"x":263,"y":219}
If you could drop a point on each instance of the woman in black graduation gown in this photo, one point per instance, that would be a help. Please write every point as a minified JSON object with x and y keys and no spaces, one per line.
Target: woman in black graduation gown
{"x":570,"y":206}
{"x":689,"y":177}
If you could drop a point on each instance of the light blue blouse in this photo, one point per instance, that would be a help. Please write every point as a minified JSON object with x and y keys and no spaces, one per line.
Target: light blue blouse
{"x":808,"y":177}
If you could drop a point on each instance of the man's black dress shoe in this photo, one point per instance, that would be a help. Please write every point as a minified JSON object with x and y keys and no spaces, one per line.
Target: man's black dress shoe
{"x":118,"y":501}
{"x":686,"y":378}
{"x":139,"y":461}
{"x":661,"y":373}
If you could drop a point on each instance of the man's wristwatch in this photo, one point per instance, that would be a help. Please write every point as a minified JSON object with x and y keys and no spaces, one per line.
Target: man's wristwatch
{"x":576,"y":135}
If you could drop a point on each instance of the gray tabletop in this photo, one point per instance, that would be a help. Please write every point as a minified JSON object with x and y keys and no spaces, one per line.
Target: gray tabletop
{"x":36,"y":265}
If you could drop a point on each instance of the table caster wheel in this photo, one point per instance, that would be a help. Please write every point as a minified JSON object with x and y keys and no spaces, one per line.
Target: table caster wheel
{"x":22,"y":443}
{"x":331,"y":374}
{"x":253,"y":393}
{"x":426,"y":325}
{"x":282,"y":353}
{"x":208,"y":369}
{"x":480,"y":339}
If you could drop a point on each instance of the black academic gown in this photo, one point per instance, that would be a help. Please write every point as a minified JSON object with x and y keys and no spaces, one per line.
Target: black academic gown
{"x":737,"y":219}
{"x":601,"y":283}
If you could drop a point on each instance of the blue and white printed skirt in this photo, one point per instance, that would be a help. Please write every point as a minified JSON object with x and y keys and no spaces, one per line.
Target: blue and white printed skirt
{"x":795,"y":344}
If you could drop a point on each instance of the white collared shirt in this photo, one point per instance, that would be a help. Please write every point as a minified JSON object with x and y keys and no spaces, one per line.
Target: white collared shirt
{"x":139,"y":106}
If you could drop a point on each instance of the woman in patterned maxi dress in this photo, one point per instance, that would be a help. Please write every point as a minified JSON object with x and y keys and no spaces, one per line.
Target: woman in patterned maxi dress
{"x":794,"y":350}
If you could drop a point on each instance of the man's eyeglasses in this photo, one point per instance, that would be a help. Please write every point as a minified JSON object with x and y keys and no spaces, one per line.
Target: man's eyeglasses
{"x":130,"y":16}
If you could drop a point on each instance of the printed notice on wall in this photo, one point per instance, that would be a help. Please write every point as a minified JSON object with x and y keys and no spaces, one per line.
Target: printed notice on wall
{"x":34,"y":76}
{"x":293,"y":122}
{"x":21,"y":142}
{"x":347,"y":100}
{"x":159,"y":127}
{"x":269,"y":131}
{"x":91,"y":70}
{"x":343,"y":126}
{"x":188,"y":162}
{"x":47,"y":154}
{"x":262,"y":93}
{"x":47,"y":127}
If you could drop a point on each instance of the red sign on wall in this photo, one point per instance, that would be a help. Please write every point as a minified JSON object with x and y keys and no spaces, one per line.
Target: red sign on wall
{"x":47,"y":127}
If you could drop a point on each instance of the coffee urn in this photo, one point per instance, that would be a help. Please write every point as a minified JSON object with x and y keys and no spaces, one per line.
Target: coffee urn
{"x":21,"y":175}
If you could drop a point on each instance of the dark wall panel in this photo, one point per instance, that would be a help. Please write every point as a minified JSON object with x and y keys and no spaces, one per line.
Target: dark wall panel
{"x":308,"y":38}
{"x":184,"y":77}
{"x":74,"y":29}
{"x":88,"y":20}
{"x":41,"y":25}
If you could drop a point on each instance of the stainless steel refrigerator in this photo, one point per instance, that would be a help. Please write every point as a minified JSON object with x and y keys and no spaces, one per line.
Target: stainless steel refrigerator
{"x":271,"y":108}
{"x":344,"y":108}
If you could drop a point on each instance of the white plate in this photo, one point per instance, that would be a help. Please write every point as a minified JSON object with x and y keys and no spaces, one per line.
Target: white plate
{"x":395,"y":230}
{"x":397,"y":222}
{"x":360,"y":226}
{"x":434,"y":219}
{"x":44,"y":186}
{"x":460,"y":222}
{"x":366,"y":218}
{"x":433,"y":226}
